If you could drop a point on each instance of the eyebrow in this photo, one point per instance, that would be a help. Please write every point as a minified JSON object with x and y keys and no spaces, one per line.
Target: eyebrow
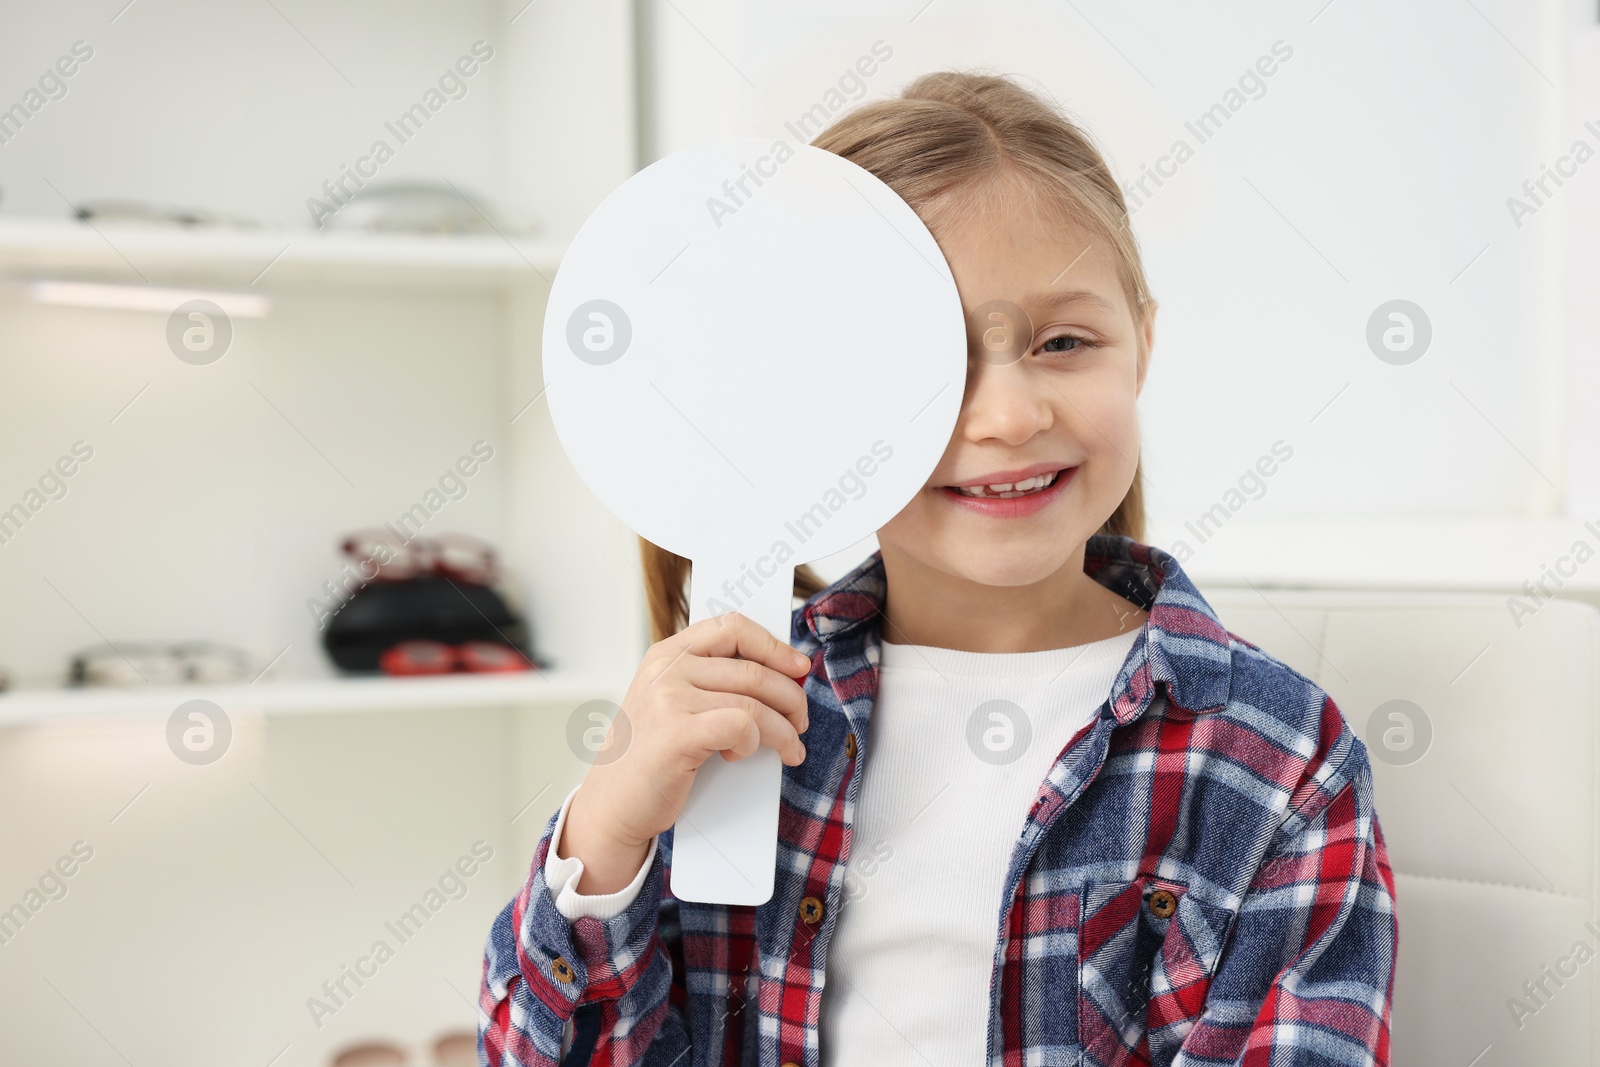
{"x":1051,"y":299}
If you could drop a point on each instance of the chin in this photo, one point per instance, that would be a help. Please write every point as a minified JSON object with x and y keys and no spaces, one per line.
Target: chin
{"x":987,"y":554}
{"x":1000,"y":563}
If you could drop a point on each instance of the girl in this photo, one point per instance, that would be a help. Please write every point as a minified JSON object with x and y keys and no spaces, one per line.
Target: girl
{"x":1039,"y":806}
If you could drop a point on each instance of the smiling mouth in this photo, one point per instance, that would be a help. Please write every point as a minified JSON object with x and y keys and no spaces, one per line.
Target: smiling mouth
{"x":1008,"y":490}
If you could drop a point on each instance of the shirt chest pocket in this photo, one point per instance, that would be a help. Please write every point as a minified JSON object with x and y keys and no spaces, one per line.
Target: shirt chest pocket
{"x":1147,"y":950}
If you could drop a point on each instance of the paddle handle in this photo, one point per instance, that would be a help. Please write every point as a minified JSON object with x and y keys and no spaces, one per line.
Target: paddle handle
{"x":725,"y":844}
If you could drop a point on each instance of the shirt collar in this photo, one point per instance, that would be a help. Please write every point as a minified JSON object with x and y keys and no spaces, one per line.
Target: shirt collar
{"x":1183,"y":645}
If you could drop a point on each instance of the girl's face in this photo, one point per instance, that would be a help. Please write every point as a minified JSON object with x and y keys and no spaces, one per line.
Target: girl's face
{"x":1053,"y":373}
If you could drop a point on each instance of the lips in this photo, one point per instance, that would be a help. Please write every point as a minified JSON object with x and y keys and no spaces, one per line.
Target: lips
{"x":1009,"y":489}
{"x":1011,"y":506}
{"x":1016,"y":474}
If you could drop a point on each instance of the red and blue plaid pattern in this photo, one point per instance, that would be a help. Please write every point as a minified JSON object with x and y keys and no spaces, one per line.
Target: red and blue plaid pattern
{"x":1201,"y":879}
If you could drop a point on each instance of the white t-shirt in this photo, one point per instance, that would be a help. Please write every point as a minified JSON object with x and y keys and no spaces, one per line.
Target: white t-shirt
{"x":957,"y":746}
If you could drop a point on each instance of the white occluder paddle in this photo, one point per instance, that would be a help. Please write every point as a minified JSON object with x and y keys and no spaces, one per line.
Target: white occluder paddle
{"x":755,"y":356}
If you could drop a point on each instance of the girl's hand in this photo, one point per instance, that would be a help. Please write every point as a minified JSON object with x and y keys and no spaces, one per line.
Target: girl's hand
{"x":689,"y":699}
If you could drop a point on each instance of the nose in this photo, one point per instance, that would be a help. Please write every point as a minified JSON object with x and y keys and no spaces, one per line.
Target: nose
{"x":1005,"y":402}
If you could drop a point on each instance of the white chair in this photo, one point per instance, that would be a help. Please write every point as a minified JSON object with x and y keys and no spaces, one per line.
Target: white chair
{"x":1490,"y":821}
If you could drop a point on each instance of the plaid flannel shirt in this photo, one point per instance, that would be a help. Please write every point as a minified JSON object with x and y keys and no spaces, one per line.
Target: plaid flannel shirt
{"x":1201,"y":878}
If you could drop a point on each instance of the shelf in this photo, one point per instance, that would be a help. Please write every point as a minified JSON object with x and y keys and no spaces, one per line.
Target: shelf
{"x":1466,"y":553}
{"x":314,"y":696}
{"x":32,"y":249}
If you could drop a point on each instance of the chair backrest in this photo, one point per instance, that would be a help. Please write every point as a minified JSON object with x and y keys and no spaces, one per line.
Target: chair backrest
{"x":1480,"y":724}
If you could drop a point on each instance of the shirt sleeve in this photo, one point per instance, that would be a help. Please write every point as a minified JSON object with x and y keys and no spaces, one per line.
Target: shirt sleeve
{"x":1308,"y":973}
{"x":563,"y":875}
{"x":611,"y":976}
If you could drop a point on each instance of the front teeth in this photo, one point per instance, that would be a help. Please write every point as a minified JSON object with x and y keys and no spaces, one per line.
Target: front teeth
{"x":1006,"y":490}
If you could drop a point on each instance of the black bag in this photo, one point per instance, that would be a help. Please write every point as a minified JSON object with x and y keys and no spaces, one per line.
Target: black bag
{"x":428,"y":607}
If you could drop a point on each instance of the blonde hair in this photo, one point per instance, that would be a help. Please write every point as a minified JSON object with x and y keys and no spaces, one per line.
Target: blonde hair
{"x":948,"y":137}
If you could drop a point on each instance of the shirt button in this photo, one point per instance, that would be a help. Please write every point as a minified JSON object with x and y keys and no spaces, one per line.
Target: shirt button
{"x":850,"y":746}
{"x":1163,"y":904}
{"x":561,"y":969}
{"x":810,"y":910}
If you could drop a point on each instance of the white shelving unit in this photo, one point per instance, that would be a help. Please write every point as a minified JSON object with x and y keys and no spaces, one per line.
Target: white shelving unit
{"x":486,"y":289}
{"x":245,"y":257}
{"x":309,"y":697}
{"x":216,"y":496}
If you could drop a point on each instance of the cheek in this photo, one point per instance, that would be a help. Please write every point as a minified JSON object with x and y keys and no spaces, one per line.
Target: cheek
{"x":1104,"y":414}
{"x":913,"y":526}
{"x":906,"y":519}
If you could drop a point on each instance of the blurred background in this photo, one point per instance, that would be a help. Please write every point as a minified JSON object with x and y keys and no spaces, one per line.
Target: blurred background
{"x":271,"y":440}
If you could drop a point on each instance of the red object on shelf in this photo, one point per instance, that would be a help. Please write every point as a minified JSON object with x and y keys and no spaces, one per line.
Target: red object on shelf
{"x":436,"y":657}
{"x":418,"y":657}
{"x":488,"y":657}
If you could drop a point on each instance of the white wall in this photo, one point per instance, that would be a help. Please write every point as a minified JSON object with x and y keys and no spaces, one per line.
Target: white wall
{"x":1375,"y":166}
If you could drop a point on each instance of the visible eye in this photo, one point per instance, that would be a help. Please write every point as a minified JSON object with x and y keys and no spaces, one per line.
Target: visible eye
{"x":1065,"y":343}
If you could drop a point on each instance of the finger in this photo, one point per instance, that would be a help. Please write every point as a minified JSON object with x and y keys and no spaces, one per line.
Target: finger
{"x":772,"y":729}
{"x":779,"y":734}
{"x":735,"y":634}
{"x":777,"y":691}
{"x":729,"y":730}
